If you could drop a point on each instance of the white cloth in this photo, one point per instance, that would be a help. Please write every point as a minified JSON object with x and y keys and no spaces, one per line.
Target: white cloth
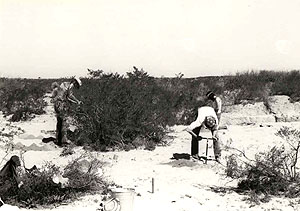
{"x":203,"y":112}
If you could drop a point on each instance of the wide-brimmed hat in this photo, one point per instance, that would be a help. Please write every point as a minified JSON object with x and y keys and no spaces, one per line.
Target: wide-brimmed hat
{"x":77,"y":79}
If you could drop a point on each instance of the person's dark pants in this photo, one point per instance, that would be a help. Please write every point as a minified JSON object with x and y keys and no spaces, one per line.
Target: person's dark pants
{"x":219,"y":117}
{"x":195,"y":143}
{"x":216,"y":144}
{"x":59,"y":128}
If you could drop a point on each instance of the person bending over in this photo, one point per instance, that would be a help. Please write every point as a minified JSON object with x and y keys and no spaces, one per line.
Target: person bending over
{"x":206,"y":118}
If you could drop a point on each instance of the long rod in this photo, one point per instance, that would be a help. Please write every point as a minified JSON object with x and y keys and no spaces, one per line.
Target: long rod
{"x":206,"y":153}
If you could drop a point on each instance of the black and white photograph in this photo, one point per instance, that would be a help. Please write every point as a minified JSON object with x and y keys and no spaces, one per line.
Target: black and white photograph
{"x":143,"y":105}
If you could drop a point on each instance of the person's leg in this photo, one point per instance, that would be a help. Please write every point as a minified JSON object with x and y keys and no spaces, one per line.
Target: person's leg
{"x":216,"y":144}
{"x":195,"y":144}
{"x":64,"y":129}
{"x":59,"y":126}
{"x":219,"y":117}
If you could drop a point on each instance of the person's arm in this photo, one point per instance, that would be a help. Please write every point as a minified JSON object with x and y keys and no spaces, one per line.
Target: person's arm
{"x":219,"y":105}
{"x":191,"y":132}
{"x":54,"y":94}
{"x":72,"y":98}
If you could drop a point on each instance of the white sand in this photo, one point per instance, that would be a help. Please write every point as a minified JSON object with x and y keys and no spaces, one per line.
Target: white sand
{"x":179,"y":185}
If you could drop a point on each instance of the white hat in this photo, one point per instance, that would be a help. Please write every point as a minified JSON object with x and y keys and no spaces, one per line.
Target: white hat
{"x":78,"y":80}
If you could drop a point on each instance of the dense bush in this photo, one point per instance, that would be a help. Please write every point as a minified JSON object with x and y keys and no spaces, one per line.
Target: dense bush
{"x":122,"y":111}
{"x":22,"y":97}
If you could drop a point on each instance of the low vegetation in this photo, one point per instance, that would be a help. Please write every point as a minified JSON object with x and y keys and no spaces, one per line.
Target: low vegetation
{"x":272,"y":173}
{"x":50,"y":185}
{"x":257,"y":85}
{"x":22,"y":98}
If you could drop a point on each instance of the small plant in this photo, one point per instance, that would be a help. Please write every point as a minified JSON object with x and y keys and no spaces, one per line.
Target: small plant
{"x":67,"y":151}
{"x":292,"y":138}
{"x":271,"y":173}
{"x":233,"y":169}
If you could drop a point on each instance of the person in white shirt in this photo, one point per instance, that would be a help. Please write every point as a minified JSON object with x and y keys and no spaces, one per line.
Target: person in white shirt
{"x":217,"y":103}
{"x":206,"y":118}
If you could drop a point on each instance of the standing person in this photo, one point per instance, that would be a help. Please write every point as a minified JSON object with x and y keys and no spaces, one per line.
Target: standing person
{"x":62,"y":97}
{"x":206,"y":118}
{"x":217,"y":103}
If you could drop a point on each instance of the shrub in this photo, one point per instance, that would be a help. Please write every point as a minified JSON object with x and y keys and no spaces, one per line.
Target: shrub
{"x":292,"y":138}
{"x":22,"y":98}
{"x":39,"y":188}
{"x":267,"y":174}
{"x":119,"y":109}
{"x":273,"y":172}
{"x":233,"y":168}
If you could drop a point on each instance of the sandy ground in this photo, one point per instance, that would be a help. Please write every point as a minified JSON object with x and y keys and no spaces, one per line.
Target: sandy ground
{"x":179,"y":185}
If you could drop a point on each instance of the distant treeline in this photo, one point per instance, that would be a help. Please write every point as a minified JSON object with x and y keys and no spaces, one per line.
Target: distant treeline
{"x":244,"y":86}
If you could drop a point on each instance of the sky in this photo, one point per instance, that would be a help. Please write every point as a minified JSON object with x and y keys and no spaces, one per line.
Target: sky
{"x":62,"y":38}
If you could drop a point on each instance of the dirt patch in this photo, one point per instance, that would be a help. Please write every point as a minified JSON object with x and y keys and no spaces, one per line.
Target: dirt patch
{"x":183,"y":163}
